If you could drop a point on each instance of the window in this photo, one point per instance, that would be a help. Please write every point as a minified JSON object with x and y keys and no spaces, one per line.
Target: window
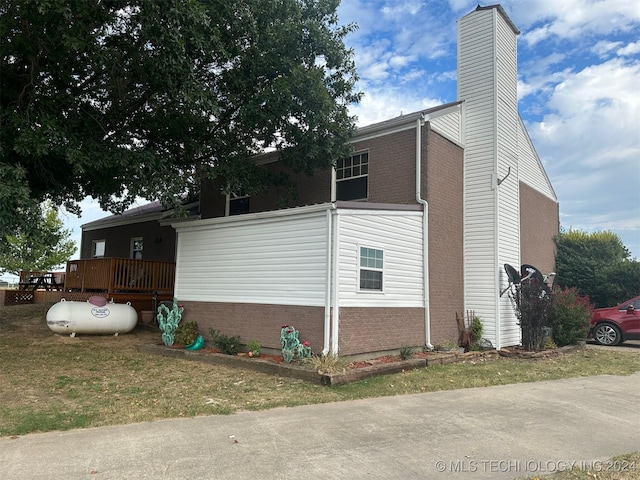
{"x":371,"y":263}
{"x":352,"y":177}
{"x":98,"y":248}
{"x":136,"y":248}
{"x":238,"y":202}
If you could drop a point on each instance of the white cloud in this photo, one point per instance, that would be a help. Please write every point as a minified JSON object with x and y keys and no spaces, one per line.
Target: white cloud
{"x":630,"y":49}
{"x":572,"y":18}
{"x":604,"y":47}
{"x":589,"y":142}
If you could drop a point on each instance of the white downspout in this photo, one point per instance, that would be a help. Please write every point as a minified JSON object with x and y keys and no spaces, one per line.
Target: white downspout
{"x":327,"y":301}
{"x":425,"y":232}
{"x":336,"y":275}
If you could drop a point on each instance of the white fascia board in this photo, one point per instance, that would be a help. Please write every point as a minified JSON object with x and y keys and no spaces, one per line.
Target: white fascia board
{"x":402,"y":123}
{"x":120,"y":221}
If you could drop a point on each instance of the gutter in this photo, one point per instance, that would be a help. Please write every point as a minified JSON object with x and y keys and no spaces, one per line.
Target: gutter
{"x":425,"y":231}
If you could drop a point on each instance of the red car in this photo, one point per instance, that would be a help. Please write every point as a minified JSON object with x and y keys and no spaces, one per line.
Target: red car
{"x":610,"y":326}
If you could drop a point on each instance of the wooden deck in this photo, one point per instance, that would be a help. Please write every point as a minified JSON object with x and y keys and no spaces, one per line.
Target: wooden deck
{"x":119,"y":275}
{"x":143,"y":283}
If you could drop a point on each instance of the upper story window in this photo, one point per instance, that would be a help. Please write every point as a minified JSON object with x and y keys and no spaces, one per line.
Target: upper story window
{"x":239,"y":203}
{"x":371,"y":267}
{"x":136,"y":248}
{"x":98,"y":248}
{"x":352,"y":177}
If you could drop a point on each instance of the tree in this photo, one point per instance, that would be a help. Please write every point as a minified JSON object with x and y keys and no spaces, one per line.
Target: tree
{"x":597,"y":265}
{"x":44,"y":246}
{"x":121,"y":99}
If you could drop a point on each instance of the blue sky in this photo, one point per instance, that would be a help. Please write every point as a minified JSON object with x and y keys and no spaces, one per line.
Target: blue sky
{"x":579,"y":92}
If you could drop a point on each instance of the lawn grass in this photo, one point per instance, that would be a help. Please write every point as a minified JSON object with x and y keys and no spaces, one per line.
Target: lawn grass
{"x":52,"y":382}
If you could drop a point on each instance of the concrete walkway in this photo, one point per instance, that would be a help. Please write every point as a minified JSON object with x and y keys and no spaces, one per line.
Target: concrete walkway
{"x":510,"y":431}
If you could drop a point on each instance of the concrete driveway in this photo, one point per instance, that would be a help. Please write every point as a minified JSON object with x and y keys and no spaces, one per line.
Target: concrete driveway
{"x":509,"y":431}
{"x":628,"y":346}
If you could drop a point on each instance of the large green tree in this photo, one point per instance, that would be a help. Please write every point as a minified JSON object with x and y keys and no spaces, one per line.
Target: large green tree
{"x":598,"y":265}
{"x":118,"y":99}
{"x":44,"y":246}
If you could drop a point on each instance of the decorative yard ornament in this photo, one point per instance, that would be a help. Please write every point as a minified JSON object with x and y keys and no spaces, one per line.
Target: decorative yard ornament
{"x":291,"y":345}
{"x":168,"y":321}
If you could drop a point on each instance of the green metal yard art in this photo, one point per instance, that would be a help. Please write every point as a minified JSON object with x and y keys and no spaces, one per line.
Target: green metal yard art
{"x":291,"y":345}
{"x":168,"y":321}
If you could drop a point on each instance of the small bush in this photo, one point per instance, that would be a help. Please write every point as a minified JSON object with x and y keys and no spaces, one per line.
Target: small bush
{"x":327,"y":363}
{"x":406,"y":352}
{"x":569,"y":317}
{"x":475,"y":330}
{"x":228,"y":345}
{"x":254,"y":348}
{"x":186,"y":333}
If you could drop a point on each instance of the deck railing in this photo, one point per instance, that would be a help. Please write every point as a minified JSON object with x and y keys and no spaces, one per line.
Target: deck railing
{"x":113,"y":275}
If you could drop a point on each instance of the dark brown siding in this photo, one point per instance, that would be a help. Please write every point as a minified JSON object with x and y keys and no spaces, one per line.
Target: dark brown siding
{"x":443,"y":177}
{"x":159,"y":241}
{"x":539,"y":222}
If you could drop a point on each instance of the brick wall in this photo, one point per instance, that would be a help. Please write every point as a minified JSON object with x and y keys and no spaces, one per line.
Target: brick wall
{"x":539,"y":222}
{"x":259,"y":322}
{"x":391,"y":179}
{"x":364,"y":330}
{"x":392,"y":167}
{"x":444,"y":177}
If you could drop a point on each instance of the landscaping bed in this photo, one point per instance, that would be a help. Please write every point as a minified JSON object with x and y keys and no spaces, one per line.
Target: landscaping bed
{"x":354,"y":371}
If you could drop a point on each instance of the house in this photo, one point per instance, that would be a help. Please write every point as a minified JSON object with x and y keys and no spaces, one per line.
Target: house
{"x":137,"y":233}
{"x":385,"y":249}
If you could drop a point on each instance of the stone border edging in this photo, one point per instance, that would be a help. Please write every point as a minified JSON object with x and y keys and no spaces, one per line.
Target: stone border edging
{"x":347,"y":376}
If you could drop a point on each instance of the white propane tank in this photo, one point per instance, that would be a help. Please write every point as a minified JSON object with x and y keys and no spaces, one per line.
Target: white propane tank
{"x":93,"y":317}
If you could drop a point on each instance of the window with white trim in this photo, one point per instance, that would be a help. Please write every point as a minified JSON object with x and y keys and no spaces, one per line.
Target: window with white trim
{"x":371,"y":268}
{"x":98,"y":248}
{"x":136,"y":248}
{"x":238,"y":201}
{"x":352,"y":177}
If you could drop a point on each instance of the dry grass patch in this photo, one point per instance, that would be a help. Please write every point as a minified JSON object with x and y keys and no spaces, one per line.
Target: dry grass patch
{"x":622,"y":467}
{"x":53,"y":382}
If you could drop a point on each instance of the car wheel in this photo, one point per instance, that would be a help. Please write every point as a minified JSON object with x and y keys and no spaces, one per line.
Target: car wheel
{"x":607,"y":334}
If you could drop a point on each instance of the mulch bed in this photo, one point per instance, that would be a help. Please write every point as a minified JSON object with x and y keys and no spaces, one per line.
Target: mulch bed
{"x":356,"y":370}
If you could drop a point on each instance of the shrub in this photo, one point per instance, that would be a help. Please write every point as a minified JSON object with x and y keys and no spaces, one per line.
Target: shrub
{"x":532,"y":304}
{"x":475,"y":330}
{"x":569,"y":317}
{"x":228,"y":345}
{"x":254,"y":348}
{"x":405,"y":352}
{"x":324,"y":364}
{"x":186,"y":333}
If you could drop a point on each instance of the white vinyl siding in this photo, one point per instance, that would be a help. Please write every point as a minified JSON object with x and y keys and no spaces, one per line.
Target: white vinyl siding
{"x":531,"y":170}
{"x":449,"y":126}
{"x":281,"y":257}
{"x":508,"y":192}
{"x":261,"y":260}
{"x":399,"y":235}
{"x":487,"y":82}
{"x":476,"y":88}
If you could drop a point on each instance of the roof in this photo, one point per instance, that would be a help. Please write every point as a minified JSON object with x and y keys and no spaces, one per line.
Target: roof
{"x":144,"y":213}
{"x":502,"y":12}
{"x":409,"y":118}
